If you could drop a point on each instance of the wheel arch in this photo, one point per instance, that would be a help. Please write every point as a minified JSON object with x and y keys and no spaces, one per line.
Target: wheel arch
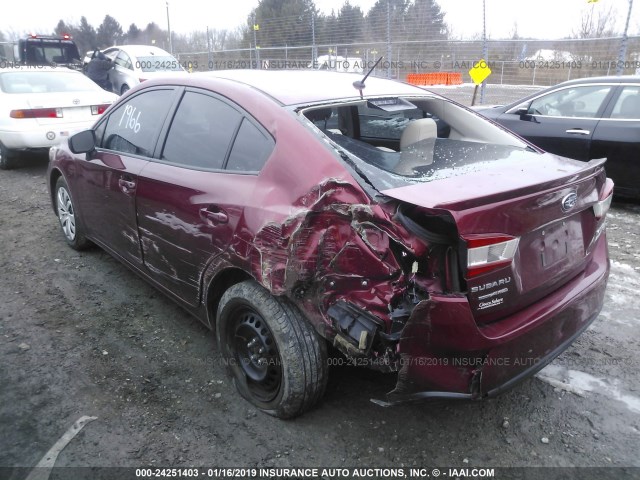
{"x":53,"y":179}
{"x":219,"y":284}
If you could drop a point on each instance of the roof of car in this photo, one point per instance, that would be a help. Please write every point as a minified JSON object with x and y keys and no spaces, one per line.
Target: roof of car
{"x":293,"y":87}
{"x":610,"y":79}
{"x":141,"y":50}
{"x":37,"y":68}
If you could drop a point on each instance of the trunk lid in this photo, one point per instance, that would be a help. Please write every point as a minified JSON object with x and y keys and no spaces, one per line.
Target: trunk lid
{"x":75,"y":106}
{"x":544,"y":201}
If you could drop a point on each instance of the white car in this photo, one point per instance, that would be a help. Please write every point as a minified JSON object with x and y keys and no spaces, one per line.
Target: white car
{"x":134,"y":64}
{"x":40,"y":106}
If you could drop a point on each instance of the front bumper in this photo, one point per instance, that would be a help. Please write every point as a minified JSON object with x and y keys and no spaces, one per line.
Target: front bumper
{"x":446,"y":354}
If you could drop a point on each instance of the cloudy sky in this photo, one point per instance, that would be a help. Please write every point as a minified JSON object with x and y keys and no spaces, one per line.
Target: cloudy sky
{"x":534,"y":18}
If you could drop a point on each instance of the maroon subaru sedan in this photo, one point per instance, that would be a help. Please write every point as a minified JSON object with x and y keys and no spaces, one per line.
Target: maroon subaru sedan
{"x":300,"y":212}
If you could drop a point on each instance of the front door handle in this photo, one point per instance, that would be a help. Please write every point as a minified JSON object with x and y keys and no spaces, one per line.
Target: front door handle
{"x":214,"y":214}
{"x":127,"y":186}
{"x":578,"y":131}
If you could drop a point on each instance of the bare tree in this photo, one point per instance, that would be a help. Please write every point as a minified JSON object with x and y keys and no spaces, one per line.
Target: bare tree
{"x":596,"y":22}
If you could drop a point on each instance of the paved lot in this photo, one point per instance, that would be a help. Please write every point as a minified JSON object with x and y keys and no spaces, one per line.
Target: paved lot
{"x":80,"y":335}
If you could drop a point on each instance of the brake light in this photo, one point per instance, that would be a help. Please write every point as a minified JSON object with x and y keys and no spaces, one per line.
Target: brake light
{"x":33,"y":35}
{"x":99,"y":109}
{"x":601,"y":208}
{"x":66,"y":36}
{"x":489,"y":252}
{"x":37,"y":113}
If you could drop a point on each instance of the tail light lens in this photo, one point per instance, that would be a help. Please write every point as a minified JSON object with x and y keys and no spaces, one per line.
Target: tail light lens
{"x":601,"y":208}
{"x":37,"y":113}
{"x":99,"y":109}
{"x":489,"y":252}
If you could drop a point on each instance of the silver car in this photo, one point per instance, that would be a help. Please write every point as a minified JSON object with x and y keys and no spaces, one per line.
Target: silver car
{"x":135,"y":63}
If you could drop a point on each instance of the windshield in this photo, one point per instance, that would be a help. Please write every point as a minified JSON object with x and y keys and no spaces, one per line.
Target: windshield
{"x":155,"y":63}
{"x":393,"y":142}
{"x":45,"y":82}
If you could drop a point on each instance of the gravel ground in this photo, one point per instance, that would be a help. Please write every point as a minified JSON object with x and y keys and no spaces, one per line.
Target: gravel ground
{"x":81,"y":335}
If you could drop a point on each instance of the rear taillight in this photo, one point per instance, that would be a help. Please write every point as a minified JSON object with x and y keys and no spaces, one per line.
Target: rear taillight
{"x":601,"y":208}
{"x":99,"y":109}
{"x":37,"y":113}
{"x":489,"y":252}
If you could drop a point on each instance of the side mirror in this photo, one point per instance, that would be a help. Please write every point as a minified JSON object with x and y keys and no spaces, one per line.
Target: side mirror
{"x":83,"y":142}
{"x":522,"y":111}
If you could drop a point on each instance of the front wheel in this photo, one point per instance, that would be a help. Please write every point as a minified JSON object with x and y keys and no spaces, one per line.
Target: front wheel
{"x":124,"y":89}
{"x":70,"y":224}
{"x":275,"y":357}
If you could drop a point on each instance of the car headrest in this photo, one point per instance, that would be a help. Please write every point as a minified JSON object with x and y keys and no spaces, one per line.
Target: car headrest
{"x":318,"y":115}
{"x":417,"y":130}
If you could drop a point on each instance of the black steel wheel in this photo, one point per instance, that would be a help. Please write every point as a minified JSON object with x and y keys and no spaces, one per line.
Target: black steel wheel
{"x":277,"y":360}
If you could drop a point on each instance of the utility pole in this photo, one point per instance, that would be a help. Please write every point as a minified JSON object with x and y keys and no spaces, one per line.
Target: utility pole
{"x":622,"y":55}
{"x":256,"y":27}
{"x":389,"y":52}
{"x":169,"y":28}
{"x":314,"y":51}
{"x":485,"y":50}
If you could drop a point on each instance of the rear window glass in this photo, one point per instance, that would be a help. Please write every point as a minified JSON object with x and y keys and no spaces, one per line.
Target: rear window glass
{"x":45,"y":82}
{"x":396,"y":142}
{"x":250,"y":149}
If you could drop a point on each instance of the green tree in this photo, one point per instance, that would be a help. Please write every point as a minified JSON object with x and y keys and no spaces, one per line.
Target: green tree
{"x":426,"y":21}
{"x":133,"y":34}
{"x":281,"y":22}
{"x":350,"y":24}
{"x":109,"y":32}
{"x":85,"y":36}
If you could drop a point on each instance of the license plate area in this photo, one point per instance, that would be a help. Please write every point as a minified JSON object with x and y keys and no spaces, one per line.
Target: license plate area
{"x":551,"y":251}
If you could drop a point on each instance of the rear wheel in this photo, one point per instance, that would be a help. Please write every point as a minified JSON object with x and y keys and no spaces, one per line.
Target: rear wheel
{"x":71,"y":225}
{"x":7,"y":158}
{"x":276,"y":359}
{"x":124,"y":89}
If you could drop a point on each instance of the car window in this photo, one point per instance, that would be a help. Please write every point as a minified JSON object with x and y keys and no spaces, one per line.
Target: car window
{"x":201,"y":132}
{"x":133,"y":127}
{"x":251,"y":149}
{"x":377,"y":123}
{"x":628,"y":104}
{"x":123,"y":60}
{"x":580,"y":101}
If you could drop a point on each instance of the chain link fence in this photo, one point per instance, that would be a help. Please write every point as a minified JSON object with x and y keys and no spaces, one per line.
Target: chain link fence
{"x":416,"y":42}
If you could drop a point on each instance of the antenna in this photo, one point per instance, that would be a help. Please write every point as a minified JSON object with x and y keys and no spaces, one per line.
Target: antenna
{"x":359,"y":84}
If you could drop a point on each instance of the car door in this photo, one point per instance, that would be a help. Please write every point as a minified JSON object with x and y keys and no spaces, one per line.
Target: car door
{"x":561,"y":121}
{"x":191,"y":198}
{"x":121,"y":74}
{"x":125,"y":139}
{"x":617,"y":137}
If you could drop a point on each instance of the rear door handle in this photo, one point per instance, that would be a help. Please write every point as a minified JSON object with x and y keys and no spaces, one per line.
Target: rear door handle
{"x":127,"y":186}
{"x":578,"y":131}
{"x":214,"y":214}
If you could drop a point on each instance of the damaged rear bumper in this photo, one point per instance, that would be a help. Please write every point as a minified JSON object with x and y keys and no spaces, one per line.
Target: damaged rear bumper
{"x":446,"y":354}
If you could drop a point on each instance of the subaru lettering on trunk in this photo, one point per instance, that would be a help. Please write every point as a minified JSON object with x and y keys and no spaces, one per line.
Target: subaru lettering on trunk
{"x":291,"y":211}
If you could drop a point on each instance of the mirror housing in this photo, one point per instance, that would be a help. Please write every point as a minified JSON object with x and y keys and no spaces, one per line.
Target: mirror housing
{"x":83,"y":142}
{"x":523,"y":111}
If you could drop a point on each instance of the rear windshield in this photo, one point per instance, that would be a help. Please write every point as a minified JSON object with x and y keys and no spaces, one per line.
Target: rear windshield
{"x":33,"y":81}
{"x":49,"y":52}
{"x":154,"y":63}
{"x":395,"y":141}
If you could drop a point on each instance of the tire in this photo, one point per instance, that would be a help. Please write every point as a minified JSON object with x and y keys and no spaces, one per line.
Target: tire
{"x":70,"y":223}
{"x":7,"y":158}
{"x":277,"y":360}
{"x":124,"y":89}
